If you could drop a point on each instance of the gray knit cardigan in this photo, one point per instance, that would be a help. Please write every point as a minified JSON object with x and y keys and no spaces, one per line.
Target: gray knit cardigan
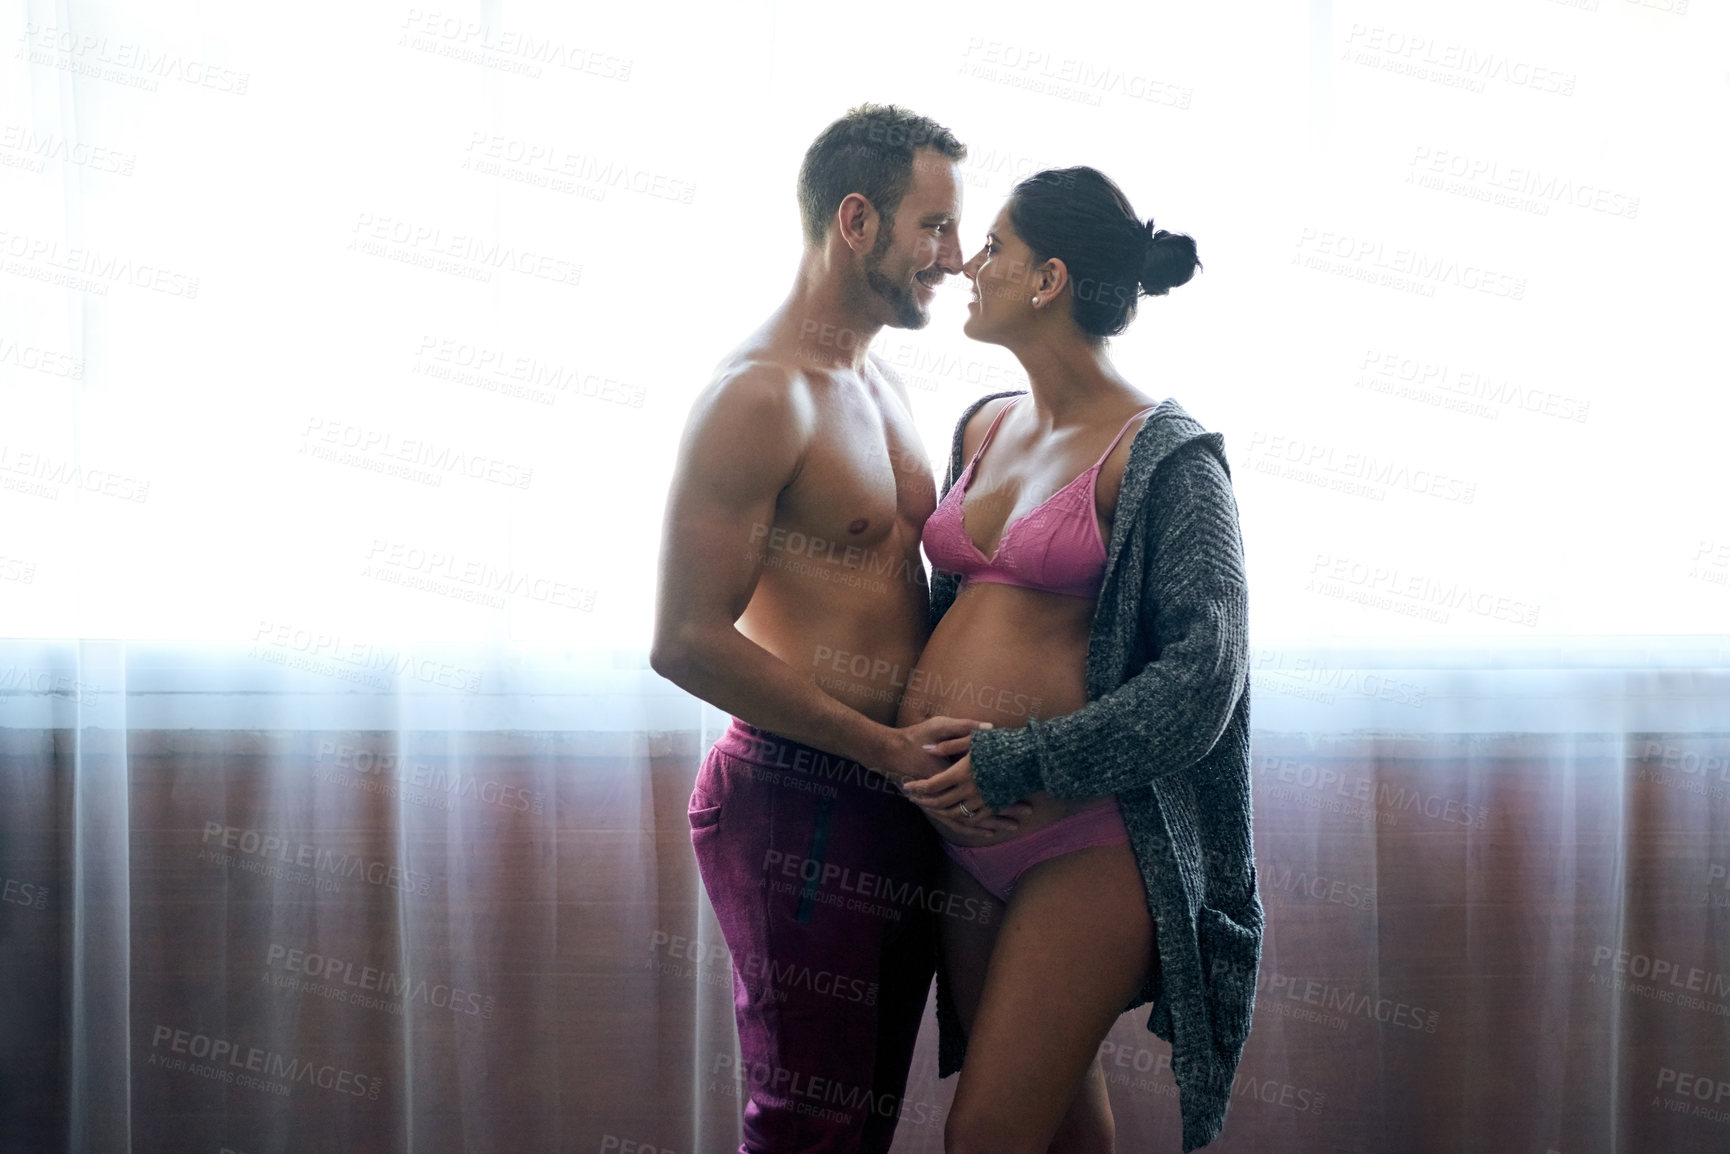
{"x":1166,"y":729}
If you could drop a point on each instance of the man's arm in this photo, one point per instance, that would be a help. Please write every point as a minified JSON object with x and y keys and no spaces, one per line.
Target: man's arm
{"x":744,"y":443}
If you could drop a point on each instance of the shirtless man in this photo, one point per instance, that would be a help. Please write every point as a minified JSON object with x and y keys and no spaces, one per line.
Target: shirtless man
{"x":793,"y":596}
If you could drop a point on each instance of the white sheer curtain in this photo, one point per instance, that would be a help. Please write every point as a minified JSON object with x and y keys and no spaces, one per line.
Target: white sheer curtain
{"x":342,"y":356}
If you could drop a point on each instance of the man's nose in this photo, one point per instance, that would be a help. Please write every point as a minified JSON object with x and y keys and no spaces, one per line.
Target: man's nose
{"x":949,"y":257}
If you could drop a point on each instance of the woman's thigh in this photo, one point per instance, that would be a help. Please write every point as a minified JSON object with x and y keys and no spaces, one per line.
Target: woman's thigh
{"x":967,"y":942}
{"x":1073,"y":951}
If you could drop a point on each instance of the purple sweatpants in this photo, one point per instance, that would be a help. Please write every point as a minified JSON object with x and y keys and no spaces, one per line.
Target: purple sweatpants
{"x":823,"y":878}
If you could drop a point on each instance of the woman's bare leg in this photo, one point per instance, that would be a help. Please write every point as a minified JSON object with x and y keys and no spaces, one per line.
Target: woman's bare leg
{"x":1074,"y":948}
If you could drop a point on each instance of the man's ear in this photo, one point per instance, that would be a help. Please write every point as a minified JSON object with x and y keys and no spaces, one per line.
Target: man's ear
{"x":857,"y":222}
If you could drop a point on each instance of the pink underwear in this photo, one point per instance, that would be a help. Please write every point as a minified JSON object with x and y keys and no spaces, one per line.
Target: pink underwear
{"x":999,"y":867}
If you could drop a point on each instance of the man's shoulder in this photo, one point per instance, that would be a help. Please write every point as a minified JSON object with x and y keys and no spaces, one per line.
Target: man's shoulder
{"x":761,"y":384}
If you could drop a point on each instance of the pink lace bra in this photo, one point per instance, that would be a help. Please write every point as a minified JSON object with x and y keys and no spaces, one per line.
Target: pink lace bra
{"x":1054,"y":547}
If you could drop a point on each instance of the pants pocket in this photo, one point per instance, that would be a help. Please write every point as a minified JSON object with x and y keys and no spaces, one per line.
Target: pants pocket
{"x":1230,"y":957}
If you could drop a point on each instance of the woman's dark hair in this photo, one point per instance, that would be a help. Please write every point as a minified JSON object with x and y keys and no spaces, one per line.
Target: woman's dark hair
{"x":1080,"y":217}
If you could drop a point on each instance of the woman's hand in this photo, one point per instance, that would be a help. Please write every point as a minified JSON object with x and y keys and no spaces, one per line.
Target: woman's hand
{"x":952,"y":797}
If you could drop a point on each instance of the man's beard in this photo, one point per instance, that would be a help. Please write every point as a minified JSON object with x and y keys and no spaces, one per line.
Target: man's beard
{"x":908,"y":312}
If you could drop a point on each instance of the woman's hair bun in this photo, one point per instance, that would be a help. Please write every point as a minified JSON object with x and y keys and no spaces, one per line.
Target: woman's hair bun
{"x":1170,"y":261}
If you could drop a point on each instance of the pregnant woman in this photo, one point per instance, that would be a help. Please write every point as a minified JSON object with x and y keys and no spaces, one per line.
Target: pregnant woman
{"x":1088,"y":601}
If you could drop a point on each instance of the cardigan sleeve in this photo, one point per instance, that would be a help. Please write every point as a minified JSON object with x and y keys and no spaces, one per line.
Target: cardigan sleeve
{"x":1170,"y":714}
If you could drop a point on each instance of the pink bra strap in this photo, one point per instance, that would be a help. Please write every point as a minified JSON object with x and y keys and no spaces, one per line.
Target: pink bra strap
{"x":992,"y":431}
{"x":1120,"y":434}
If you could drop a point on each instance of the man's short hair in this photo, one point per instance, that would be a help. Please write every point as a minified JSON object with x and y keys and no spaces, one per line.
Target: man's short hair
{"x":869,"y":151}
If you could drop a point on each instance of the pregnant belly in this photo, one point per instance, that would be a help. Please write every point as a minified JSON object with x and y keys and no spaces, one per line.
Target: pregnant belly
{"x":1005,"y":655}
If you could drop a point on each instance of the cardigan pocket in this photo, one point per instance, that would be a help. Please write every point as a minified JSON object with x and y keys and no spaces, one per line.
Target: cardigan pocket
{"x":1230,"y":956}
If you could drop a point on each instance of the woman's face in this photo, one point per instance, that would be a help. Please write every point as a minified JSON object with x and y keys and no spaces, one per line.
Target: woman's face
{"x":1003,"y":284}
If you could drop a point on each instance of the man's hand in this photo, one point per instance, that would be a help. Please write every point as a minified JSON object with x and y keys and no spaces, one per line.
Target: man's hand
{"x":907,"y":760}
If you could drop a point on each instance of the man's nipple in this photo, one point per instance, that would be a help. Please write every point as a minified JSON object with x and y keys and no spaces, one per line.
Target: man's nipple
{"x":858,"y":526}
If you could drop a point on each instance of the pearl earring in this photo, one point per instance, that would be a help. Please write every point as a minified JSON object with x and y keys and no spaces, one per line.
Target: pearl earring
{"x":1035,"y":300}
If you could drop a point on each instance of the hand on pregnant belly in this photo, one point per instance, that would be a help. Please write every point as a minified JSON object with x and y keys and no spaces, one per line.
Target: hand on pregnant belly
{"x":952,"y":799}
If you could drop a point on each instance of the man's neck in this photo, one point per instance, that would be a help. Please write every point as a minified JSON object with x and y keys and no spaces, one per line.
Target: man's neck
{"x":823,"y":320}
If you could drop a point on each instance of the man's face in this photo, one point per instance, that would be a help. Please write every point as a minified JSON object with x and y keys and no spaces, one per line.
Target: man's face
{"x":910,"y":259}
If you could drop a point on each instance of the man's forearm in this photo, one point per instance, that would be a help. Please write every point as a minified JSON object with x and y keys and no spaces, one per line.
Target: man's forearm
{"x":735,"y":674}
